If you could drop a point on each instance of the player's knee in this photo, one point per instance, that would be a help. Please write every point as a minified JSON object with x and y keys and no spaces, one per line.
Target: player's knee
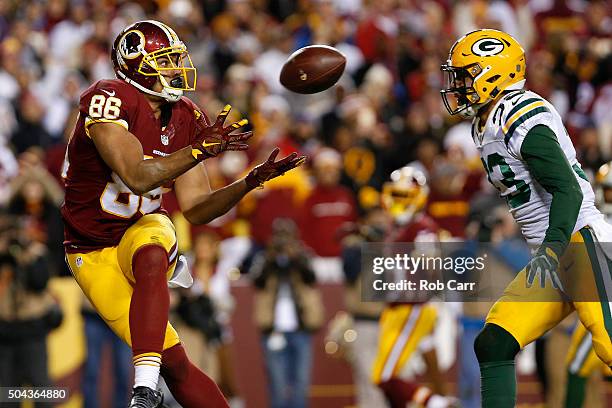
{"x":175,"y":363}
{"x":150,"y":262}
{"x":494,"y":343}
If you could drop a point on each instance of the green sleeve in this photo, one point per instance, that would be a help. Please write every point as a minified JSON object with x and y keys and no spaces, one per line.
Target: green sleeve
{"x":549,"y":166}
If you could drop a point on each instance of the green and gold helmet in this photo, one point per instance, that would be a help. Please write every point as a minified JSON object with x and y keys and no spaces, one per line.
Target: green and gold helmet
{"x":480,"y":66}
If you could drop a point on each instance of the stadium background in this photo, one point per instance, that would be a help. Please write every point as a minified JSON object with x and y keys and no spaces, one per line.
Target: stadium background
{"x":386,"y":112}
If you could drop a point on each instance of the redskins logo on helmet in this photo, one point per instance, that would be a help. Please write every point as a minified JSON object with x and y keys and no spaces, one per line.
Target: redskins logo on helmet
{"x":149,"y":51}
{"x":481,"y":65}
{"x":131,"y":44}
{"x":405,"y":195}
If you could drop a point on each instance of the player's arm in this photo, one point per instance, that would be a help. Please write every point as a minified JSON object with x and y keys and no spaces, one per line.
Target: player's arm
{"x":122,"y":152}
{"x":549,"y":166}
{"x":200,"y":204}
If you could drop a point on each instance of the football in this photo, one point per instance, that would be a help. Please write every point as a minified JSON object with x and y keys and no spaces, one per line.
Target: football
{"x":312,"y":69}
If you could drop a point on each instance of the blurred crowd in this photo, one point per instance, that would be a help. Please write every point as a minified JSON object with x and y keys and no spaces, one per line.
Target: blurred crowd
{"x":384,"y":113}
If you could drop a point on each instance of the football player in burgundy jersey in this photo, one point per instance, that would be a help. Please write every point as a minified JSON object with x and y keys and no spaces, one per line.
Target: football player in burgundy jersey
{"x":135,"y":136}
{"x":406,"y":326}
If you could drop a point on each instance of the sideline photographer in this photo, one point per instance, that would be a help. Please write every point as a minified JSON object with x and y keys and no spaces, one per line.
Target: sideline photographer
{"x":288,"y":308}
{"x":27,"y":310}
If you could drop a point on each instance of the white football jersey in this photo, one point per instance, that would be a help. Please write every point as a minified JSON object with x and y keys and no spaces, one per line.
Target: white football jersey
{"x":499,"y":145}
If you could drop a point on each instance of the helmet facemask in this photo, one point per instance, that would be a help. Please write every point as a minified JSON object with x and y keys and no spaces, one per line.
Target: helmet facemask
{"x":170,"y":60}
{"x":405,"y":195}
{"x":460,"y":96}
{"x":405,"y":204}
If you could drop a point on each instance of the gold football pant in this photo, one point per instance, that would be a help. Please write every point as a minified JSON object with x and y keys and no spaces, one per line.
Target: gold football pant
{"x":581,"y":358}
{"x":106,"y":277}
{"x":401,"y":329}
{"x":527,"y":320}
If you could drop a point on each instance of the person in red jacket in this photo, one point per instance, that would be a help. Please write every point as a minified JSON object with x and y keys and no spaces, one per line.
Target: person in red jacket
{"x":328,"y":206}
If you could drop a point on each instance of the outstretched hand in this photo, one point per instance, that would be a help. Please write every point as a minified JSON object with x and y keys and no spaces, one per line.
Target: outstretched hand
{"x":214,"y":139}
{"x":544,"y":266}
{"x":271,"y":169}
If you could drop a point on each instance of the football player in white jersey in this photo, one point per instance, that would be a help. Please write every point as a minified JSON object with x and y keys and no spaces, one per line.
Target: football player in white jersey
{"x":530,"y":159}
{"x":581,"y":360}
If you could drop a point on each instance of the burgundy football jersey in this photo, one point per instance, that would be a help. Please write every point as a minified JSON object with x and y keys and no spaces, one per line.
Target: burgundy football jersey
{"x":98,"y":206}
{"x":422,"y":229}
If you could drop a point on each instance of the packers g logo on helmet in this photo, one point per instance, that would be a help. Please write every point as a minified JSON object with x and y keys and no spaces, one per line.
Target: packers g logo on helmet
{"x":480,"y":66}
{"x":487,"y":47}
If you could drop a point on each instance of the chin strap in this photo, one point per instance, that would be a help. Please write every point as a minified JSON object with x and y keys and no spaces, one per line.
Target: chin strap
{"x":169,"y":95}
{"x":473,"y":110}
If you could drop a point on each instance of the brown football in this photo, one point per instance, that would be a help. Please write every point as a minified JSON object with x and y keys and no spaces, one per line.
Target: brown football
{"x":312,"y":69}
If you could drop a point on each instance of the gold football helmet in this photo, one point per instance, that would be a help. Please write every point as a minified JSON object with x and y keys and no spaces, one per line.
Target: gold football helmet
{"x":480,"y":66}
{"x":405,"y":195}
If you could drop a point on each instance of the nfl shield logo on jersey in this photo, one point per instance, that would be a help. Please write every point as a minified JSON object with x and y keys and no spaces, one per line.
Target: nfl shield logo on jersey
{"x":165,"y":140}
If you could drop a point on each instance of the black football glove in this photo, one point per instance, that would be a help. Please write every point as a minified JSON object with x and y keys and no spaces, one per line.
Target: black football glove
{"x":210,"y":140}
{"x":271,"y":169}
{"x":544,"y":265}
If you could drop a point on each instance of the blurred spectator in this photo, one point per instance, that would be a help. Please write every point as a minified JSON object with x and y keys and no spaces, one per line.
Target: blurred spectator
{"x":201,"y":323}
{"x":591,"y":156}
{"x":412,"y":142}
{"x":287,"y":310}
{"x":376,"y":34}
{"x":602,"y":116}
{"x":540,"y":80}
{"x":68,"y":35}
{"x":328,"y":206}
{"x":98,"y":336}
{"x":428,"y":151}
{"x":35,"y":198}
{"x":59,"y":108}
{"x":9,"y":69}
{"x":30,"y":131}
{"x":453,"y":180}
{"x":282,"y":198}
{"x":27,"y":311}
{"x":8,"y":170}
{"x":372,"y":227}
{"x":448,"y":203}
{"x":224,"y":32}
{"x":473,"y":14}
{"x":326,"y":209}
{"x":269,"y":63}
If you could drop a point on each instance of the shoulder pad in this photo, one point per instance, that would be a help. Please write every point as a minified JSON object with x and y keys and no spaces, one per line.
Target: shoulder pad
{"x":518,"y":109}
{"x":109,"y":100}
{"x":111,"y":87}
